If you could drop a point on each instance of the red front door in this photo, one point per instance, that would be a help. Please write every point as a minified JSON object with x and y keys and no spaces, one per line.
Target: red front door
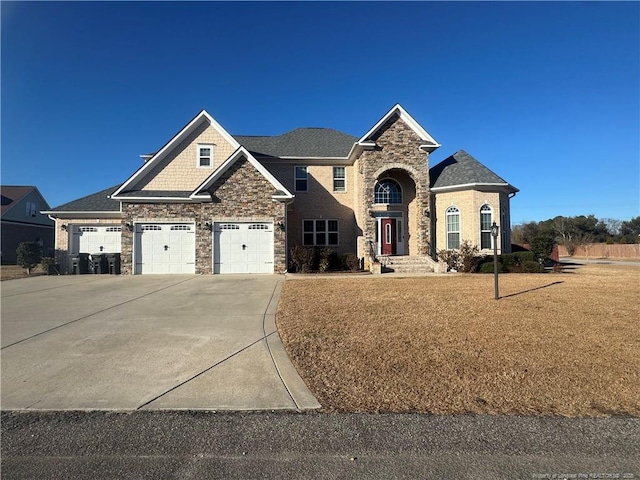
{"x":388,"y":236}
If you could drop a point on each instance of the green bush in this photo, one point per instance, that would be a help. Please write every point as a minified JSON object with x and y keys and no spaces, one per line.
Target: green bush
{"x":532,"y":267}
{"x":468,"y":257}
{"x":487,"y":267}
{"x":542,"y":246}
{"x":29,"y":255}
{"x":525,"y":257}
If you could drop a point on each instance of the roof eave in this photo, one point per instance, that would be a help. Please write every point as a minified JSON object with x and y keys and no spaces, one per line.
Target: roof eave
{"x":506,"y":187}
{"x":83,"y":214}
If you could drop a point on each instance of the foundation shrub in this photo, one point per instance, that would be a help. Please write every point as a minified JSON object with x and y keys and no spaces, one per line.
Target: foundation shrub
{"x":350,"y":262}
{"x":302,"y":259}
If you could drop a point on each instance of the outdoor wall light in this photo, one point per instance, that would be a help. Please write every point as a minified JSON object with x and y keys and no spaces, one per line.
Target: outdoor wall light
{"x":280,"y":226}
{"x":64,"y":227}
{"x":129,"y":227}
{"x":495,"y":230}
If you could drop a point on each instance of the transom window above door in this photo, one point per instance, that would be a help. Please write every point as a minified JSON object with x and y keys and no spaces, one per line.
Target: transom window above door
{"x":388,"y":191}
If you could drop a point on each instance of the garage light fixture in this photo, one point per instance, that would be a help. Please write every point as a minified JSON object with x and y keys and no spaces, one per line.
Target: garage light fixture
{"x":280,"y":226}
{"x":129,"y":227}
{"x":64,"y":227}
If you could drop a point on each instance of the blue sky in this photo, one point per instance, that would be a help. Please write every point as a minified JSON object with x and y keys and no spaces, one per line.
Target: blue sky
{"x":545,"y":94}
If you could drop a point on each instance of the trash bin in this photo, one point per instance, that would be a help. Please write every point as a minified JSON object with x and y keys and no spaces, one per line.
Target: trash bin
{"x":98,"y":263}
{"x":79,"y":263}
{"x":113,"y":261}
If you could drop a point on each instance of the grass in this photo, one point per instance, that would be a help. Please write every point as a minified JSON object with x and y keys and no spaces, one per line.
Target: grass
{"x":11,"y":272}
{"x":554,"y":344}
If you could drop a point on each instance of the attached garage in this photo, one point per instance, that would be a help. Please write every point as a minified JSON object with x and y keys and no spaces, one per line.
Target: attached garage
{"x":243,"y":247}
{"x":96,"y":239}
{"x":165,"y":248}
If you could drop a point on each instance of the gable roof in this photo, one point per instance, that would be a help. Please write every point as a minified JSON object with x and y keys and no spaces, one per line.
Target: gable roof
{"x":280,"y":192}
{"x":301,"y":143}
{"x":429,"y":143}
{"x":461,"y":169}
{"x":157,"y":157}
{"x":96,"y":202}
{"x":12,"y":194}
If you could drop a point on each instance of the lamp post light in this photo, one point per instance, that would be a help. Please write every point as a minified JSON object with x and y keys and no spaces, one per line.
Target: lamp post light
{"x":495,"y":230}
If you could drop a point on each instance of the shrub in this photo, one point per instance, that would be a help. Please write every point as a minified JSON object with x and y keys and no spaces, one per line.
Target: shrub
{"x":324,"y":258}
{"x":468,"y":257}
{"x":542,"y":246}
{"x":487,"y":267}
{"x":532,"y":267}
{"x":302,"y":258}
{"x":450,"y":257}
{"x":351,"y":262}
{"x":526,"y":256}
{"x":29,"y":255}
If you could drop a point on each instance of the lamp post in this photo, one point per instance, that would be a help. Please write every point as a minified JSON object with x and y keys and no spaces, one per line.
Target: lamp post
{"x":495,"y":229}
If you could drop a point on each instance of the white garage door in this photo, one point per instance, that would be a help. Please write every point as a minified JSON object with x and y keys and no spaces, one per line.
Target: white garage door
{"x":243,"y":248}
{"x":96,"y":239}
{"x":165,"y":248}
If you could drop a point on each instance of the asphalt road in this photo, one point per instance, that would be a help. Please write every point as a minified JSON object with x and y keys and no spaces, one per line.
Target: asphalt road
{"x":206,"y":445}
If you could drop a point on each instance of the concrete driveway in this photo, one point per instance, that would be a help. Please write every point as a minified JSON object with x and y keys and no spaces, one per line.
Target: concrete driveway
{"x":145,"y":342}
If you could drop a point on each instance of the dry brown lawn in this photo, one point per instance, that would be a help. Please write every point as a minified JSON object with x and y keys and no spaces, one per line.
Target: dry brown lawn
{"x":554,"y":344}
{"x":11,"y":272}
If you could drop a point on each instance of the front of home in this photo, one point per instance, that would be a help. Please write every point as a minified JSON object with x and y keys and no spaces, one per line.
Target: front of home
{"x":209,"y":202}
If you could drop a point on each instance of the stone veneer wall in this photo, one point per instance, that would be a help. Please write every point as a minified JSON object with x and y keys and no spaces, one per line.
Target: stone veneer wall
{"x":399,"y":146}
{"x":241,"y":194}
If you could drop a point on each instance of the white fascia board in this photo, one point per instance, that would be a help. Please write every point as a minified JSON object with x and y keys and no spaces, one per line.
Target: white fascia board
{"x":408,"y":119}
{"x":315,"y":158}
{"x":153,"y":199}
{"x":467,"y":186}
{"x":83,"y":214}
{"x":240,"y":152}
{"x":180,"y":136}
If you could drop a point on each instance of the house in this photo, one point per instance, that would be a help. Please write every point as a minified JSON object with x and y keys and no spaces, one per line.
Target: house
{"x":210,"y":202}
{"x":21,"y":221}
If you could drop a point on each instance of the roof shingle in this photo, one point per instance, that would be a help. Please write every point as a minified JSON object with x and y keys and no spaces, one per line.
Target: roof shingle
{"x":96,"y":202}
{"x":301,"y":142}
{"x":462,"y":169}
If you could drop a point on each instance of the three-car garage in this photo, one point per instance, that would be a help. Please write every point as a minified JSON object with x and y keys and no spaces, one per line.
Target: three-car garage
{"x":170,"y":248}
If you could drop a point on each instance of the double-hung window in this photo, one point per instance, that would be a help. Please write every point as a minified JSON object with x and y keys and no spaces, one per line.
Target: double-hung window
{"x":205,"y":155}
{"x":485,"y":226}
{"x":453,"y":228}
{"x":301,"y":179}
{"x":320,"y":232}
{"x":339,"y":180}
{"x":32,"y":209}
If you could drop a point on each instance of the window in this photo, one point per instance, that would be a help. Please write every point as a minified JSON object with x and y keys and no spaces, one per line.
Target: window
{"x":205,"y":156}
{"x":485,"y":226}
{"x":180,"y":227}
{"x":453,"y":228}
{"x":319,"y":232}
{"x":388,"y":191}
{"x":339,"y":180}
{"x":301,"y":179}
{"x":32,"y":209}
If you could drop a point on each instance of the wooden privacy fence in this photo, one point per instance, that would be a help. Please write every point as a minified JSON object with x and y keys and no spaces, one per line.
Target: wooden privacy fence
{"x":603,"y":250}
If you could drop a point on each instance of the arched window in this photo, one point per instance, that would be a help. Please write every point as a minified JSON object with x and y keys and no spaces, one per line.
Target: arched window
{"x":486,"y":214}
{"x":388,"y":191}
{"x":453,"y":228}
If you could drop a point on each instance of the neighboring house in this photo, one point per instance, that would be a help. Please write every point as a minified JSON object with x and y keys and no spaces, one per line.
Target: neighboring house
{"x":23,"y":222}
{"x":209,"y":202}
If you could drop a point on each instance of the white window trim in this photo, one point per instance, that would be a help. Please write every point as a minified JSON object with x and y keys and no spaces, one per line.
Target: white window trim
{"x":401,"y":192}
{"x":446,"y":226}
{"x":490,"y":211}
{"x":295,"y":178}
{"x":326,"y":231}
{"x":212,"y":149}
{"x":343,"y":178}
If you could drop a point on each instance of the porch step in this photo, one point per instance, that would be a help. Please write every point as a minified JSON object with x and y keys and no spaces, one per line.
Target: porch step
{"x":408,"y":264}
